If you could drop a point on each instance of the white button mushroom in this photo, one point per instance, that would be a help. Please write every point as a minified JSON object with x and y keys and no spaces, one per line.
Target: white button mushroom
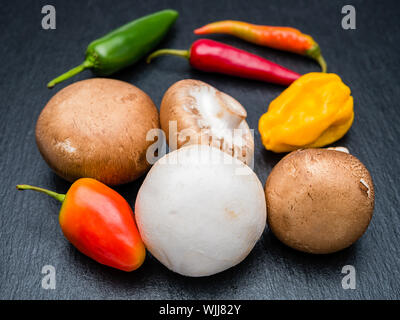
{"x":205,"y":115}
{"x":200,"y":211}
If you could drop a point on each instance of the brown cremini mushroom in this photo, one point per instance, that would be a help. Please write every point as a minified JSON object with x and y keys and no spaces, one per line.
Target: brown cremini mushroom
{"x":319,"y":200}
{"x":97,"y":128}
{"x":193,"y":112}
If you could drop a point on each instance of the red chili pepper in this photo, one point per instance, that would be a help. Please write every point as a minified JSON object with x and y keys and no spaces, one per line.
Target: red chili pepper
{"x":99,"y":223}
{"x":281,"y":38}
{"x":212,"y":56}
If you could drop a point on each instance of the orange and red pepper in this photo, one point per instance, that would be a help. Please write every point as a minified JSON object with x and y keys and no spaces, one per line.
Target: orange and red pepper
{"x":99,"y":223}
{"x":281,"y":38}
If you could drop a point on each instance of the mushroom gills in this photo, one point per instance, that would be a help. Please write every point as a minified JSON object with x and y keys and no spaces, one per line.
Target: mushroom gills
{"x":218,"y":114}
{"x":206,"y":116}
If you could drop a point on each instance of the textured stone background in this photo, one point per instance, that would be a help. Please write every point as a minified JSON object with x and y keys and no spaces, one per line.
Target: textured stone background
{"x":367,"y":59}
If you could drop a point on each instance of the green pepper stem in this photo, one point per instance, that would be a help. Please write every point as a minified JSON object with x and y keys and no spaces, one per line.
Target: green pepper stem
{"x":320,"y":59}
{"x":315,"y":53}
{"x":180,"y":53}
{"x":57,"y":196}
{"x":85,"y":65}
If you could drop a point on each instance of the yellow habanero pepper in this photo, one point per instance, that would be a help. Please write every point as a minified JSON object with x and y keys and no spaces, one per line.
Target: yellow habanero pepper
{"x":316,"y":110}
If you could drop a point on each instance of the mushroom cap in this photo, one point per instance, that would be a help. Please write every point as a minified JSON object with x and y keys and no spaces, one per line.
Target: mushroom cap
{"x":319,"y":200}
{"x":208,"y":116}
{"x":200,"y":211}
{"x":97,"y":128}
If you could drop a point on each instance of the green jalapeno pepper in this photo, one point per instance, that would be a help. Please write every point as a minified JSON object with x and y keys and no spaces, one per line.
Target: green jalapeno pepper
{"x":123,"y":46}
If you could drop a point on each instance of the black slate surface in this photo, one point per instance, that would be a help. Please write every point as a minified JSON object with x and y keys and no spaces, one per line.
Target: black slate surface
{"x":367,"y":59}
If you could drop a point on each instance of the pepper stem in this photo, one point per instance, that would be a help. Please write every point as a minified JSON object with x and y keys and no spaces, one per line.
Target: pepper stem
{"x":320,"y":59}
{"x":86,"y":64}
{"x":58,"y":196}
{"x":315,"y":53}
{"x":180,"y":53}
